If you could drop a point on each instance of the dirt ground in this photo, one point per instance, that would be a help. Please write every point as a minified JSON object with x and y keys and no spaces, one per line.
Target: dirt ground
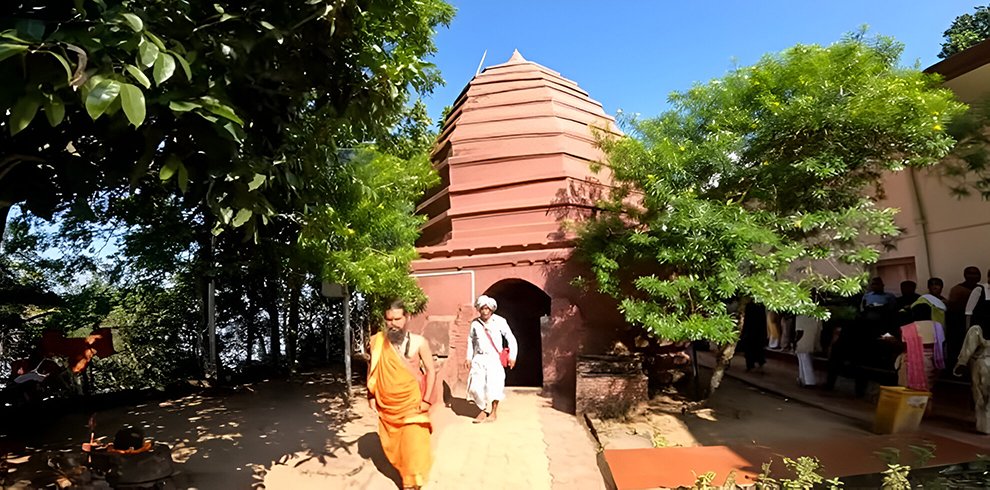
{"x":226,"y":439}
{"x":737,"y":413}
{"x":298,"y":434}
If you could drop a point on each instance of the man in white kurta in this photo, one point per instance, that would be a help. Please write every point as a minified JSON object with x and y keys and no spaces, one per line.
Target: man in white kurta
{"x":981,"y":289}
{"x":486,"y":381}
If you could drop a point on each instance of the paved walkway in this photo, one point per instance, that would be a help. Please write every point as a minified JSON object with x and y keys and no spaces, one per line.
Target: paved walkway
{"x":951,"y":418}
{"x":531,"y":446}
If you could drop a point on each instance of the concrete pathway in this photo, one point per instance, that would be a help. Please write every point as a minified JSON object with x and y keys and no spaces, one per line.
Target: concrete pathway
{"x":951,"y":417}
{"x":531,"y":446}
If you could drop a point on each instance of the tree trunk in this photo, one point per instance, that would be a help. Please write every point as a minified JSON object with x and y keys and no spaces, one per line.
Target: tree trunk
{"x":292,"y":328}
{"x":256,"y":304}
{"x":4,"y":213}
{"x":271,"y":306}
{"x":725,"y":352}
{"x":209,"y":354}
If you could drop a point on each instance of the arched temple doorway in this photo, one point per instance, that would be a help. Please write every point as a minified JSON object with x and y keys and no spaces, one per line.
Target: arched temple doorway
{"x":522,"y":304}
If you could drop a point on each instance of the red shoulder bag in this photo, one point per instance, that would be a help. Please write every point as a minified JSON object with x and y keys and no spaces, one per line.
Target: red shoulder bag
{"x":503,"y":355}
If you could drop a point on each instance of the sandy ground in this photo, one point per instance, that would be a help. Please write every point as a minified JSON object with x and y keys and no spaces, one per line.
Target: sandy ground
{"x":230,"y":439}
{"x":299,"y":434}
{"x":737,"y":413}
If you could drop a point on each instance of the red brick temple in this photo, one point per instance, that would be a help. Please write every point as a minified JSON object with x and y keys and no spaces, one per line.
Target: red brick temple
{"x":513,"y":156}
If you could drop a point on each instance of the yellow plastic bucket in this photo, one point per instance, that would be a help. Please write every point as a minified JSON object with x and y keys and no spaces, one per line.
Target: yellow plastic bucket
{"x":900,"y":409}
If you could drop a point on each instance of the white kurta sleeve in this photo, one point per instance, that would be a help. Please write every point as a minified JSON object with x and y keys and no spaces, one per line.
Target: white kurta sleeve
{"x":974,"y":299}
{"x":507,"y":333}
{"x":469,"y":353}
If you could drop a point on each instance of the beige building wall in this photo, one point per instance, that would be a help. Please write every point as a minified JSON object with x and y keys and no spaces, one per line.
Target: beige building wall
{"x":942,"y":234}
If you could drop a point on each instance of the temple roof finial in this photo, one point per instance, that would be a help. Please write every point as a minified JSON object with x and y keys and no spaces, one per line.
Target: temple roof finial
{"x":516,"y":57}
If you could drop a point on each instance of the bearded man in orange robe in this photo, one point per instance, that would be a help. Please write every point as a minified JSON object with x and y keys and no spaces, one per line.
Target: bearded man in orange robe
{"x":400,"y":388}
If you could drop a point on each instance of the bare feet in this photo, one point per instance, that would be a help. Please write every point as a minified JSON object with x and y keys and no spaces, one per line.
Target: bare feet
{"x":491,"y":418}
{"x":481,"y":417}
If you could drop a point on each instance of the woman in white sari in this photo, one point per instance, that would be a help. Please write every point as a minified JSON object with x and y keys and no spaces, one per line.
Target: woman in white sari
{"x":976,"y":354}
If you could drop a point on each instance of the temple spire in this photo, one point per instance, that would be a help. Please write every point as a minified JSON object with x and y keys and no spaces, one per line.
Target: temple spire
{"x":516,"y":57}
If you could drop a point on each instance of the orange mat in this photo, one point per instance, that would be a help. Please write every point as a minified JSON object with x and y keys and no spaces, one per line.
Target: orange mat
{"x":840,"y":457}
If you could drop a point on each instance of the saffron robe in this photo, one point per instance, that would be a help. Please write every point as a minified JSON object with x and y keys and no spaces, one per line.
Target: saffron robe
{"x":404,"y":429}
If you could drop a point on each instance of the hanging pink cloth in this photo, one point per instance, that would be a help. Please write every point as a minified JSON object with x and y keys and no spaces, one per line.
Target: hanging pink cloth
{"x":917,"y":378}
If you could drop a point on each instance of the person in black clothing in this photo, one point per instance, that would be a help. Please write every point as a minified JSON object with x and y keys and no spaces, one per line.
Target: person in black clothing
{"x":848,"y":352}
{"x":753,"y":340}
{"x":909,"y":294}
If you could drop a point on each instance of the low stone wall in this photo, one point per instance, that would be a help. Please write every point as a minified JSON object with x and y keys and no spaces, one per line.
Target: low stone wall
{"x":670,"y":364}
{"x":609,"y":386}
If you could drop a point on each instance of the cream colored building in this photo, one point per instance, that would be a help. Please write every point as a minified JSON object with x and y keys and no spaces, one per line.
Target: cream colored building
{"x":942,"y":232}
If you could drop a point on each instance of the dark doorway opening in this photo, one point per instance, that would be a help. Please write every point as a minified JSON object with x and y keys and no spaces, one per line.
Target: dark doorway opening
{"x":522,"y":304}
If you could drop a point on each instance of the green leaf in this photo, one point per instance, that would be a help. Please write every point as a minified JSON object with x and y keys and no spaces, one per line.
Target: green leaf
{"x":168,"y":170}
{"x":8,"y":50}
{"x":183,"y":105}
{"x":147,"y":53}
{"x":235,"y":132}
{"x":64,"y":63}
{"x":54,"y":110}
{"x":132,"y":100}
{"x":12,"y":35}
{"x":155,"y":39}
{"x":267,"y":25}
{"x":221,"y":110}
{"x":184,"y":64}
{"x":138,"y":75}
{"x":256,"y":182}
{"x":164,"y":68}
{"x":183,"y":178}
{"x":23,"y":112}
{"x":242,"y":216}
{"x":134,"y":22}
{"x":100,"y":98}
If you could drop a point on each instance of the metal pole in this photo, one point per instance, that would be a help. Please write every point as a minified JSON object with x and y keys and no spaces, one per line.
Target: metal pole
{"x":212,"y":371}
{"x":211,"y":330}
{"x":347,"y":339}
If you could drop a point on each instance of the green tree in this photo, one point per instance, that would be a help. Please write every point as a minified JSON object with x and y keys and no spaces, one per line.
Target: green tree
{"x":966,"y":31}
{"x":967,"y":169}
{"x":198,"y":93}
{"x":757,"y":187}
{"x":173,"y":121}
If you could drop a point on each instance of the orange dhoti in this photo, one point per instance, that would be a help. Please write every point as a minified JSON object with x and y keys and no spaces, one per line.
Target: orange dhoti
{"x":404,"y":429}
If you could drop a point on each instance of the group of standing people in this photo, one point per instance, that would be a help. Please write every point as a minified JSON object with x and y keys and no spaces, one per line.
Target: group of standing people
{"x":966,"y":317}
{"x":402,"y":383}
{"x":975,"y":349}
{"x":925,"y":332}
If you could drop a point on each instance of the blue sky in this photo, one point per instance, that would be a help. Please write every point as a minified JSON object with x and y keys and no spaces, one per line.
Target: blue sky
{"x":632,"y":54}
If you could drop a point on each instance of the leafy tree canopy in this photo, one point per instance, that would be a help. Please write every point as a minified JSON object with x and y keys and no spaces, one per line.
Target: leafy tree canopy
{"x":757,"y":186}
{"x":199,"y":93}
{"x":966,"y":30}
